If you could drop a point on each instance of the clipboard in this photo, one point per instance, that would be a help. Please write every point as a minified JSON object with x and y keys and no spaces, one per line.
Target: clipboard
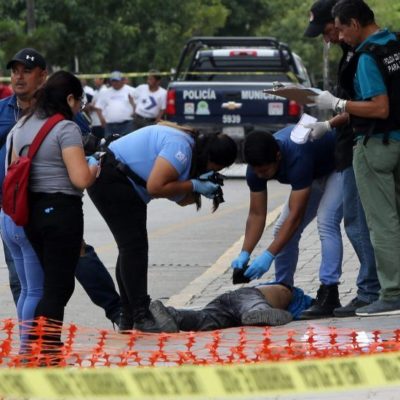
{"x":299,"y":94}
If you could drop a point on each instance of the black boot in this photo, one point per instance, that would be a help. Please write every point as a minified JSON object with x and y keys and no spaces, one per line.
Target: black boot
{"x":327,"y":300}
{"x":124,"y":322}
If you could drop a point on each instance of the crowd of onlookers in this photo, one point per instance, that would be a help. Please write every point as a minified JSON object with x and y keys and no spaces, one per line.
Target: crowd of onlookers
{"x":115,"y":107}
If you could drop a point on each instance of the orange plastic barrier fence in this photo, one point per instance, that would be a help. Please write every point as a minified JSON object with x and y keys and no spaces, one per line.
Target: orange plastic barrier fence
{"x":89,"y":347}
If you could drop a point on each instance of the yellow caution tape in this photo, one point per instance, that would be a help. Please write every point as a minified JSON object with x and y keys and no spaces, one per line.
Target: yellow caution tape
{"x":294,"y":377}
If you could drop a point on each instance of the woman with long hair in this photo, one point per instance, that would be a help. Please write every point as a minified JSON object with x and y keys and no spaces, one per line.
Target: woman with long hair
{"x":58,"y":176}
{"x":157,"y":161}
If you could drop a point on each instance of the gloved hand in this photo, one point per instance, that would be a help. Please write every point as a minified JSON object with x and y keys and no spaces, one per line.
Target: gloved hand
{"x":327,"y":101}
{"x":318,"y":129}
{"x":260,"y":265}
{"x":92,"y":161}
{"x":206,"y":175}
{"x":241,"y":260}
{"x":206,"y":188}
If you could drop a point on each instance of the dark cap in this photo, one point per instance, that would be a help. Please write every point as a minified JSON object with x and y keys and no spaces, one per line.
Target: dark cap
{"x":29,"y":57}
{"x":320,"y":15}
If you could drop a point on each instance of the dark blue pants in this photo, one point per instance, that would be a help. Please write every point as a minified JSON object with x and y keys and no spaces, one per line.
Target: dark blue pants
{"x":225,"y":311}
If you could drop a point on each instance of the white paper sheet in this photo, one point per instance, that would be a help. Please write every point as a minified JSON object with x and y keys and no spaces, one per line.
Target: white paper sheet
{"x":300,"y":133}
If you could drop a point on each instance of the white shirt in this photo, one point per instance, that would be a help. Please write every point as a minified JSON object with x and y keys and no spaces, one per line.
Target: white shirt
{"x":93,"y":114}
{"x":115,"y":104}
{"x":148,"y":104}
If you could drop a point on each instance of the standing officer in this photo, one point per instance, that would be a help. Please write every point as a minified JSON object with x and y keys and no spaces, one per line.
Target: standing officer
{"x":355,"y":224}
{"x":372,"y":82}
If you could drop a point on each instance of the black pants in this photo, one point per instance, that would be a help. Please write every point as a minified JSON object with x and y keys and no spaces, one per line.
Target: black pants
{"x":225,"y":311}
{"x":55,"y":230}
{"x":126,"y":215}
{"x":141,"y":122}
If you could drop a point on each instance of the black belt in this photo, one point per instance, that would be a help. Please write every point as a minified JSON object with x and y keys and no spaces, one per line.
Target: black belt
{"x":144,"y":118}
{"x":119,"y":123}
{"x":109,"y":157}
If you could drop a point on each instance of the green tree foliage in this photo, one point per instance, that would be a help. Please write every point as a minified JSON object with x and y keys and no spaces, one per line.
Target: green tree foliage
{"x":245,"y":17}
{"x":129,"y":35}
{"x":135,"y":35}
{"x":290,"y":19}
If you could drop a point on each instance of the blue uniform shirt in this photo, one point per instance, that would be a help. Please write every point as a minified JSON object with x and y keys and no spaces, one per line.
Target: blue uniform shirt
{"x":368,"y":81}
{"x":139,"y":150}
{"x":300,"y":163}
{"x":9,"y":114}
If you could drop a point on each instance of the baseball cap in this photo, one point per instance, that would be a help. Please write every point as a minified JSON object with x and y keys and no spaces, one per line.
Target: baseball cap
{"x":116,"y":76}
{"x":29,"y":57}
{"x":320,"y":15}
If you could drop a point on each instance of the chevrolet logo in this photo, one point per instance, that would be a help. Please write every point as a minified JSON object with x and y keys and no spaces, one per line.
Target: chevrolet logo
{"x":231,"y":105}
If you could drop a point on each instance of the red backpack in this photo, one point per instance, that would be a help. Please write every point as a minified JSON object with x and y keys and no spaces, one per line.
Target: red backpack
{"x":16,"y":182}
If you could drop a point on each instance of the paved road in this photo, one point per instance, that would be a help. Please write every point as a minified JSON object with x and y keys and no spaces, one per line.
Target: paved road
{"x":183,"y":244}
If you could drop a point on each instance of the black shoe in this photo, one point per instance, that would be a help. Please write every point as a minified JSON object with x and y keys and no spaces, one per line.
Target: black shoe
{"x":124,"y":322}
{"x":162,"y":316}
{"x":327,"y":300}
{"x":147,"y":324}
{"x":349,"y":310}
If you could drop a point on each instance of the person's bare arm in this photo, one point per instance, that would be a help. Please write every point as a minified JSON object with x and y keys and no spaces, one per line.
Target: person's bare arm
{"x":377,"y":107}
{"x":80,"y":174}
{"x":339,"y":120}
{"x":163,"y":181}
{"x":297,"y":206}
{"x":255,"y":223}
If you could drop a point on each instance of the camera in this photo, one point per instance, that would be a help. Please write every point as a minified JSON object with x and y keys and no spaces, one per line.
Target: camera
{"x":238,"y":275}
{"x":219,"y":194}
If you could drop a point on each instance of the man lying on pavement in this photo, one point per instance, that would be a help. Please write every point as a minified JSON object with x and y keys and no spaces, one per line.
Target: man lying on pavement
{"x":269,"y":304}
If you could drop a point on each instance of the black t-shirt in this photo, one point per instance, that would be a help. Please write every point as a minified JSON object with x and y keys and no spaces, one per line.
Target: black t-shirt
{"x":344,"y":134}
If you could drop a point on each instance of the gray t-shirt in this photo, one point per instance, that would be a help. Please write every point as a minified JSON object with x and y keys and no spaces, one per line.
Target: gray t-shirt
{"x":48,"y":171}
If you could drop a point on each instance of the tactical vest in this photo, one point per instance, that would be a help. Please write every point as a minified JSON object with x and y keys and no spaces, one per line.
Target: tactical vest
{"x":387,"y":57}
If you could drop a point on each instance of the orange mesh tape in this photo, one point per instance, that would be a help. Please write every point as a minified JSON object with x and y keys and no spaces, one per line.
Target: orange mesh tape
{"x":89,"y":347}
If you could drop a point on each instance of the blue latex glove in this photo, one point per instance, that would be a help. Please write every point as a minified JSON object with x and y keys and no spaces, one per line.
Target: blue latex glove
{"x":206,"y":188}
{"x":206,"y":175}
{"x":241,"y":260}
{"x":92,"y":161}
{"x":260,"y":265}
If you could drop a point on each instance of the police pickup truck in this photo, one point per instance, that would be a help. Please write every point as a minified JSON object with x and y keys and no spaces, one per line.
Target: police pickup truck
{"x":219,"y":85}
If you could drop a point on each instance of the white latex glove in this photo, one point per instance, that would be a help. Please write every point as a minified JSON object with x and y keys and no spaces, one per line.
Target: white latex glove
{"x":318,"y":129}
{"x":327,"y":101}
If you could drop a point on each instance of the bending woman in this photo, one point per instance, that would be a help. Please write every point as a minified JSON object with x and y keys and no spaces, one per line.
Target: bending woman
{"x":166,"y":161}
{"x":58,"y":176}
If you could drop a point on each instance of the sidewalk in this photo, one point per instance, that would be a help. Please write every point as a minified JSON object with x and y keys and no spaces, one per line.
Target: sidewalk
{"x":306,"y":278}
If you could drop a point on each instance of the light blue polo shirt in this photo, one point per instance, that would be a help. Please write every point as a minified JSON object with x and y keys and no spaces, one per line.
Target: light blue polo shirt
{"x":368,"y":81}
{"x":140,"y":149}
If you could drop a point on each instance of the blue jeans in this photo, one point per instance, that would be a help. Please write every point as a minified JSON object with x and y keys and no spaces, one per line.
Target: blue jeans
{"x":90,"y":273}
{"x":357,"y":231}
{"x":325,"y":203}
{"x":28,"y":270}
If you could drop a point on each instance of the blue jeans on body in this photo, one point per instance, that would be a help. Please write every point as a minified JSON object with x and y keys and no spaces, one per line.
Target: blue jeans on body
{"x":28,"y":271}
{"x":90,"y":273}
{"x":357,"y":231}
{"x":325,"y":203}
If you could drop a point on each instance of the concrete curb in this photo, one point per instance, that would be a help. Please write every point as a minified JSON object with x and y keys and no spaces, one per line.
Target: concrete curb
{"x":197,"y":286}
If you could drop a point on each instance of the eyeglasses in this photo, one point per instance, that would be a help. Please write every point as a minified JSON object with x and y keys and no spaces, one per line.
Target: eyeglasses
{"x":83,"y":101}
